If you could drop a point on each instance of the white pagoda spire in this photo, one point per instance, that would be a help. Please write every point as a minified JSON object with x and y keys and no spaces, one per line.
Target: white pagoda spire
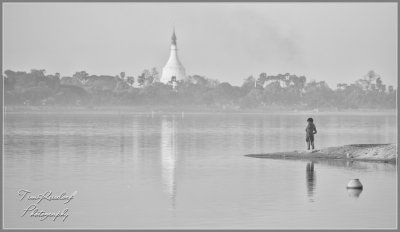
{"x":174,"y":68}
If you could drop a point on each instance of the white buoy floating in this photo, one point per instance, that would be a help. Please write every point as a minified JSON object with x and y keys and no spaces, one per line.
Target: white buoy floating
{"x":354,"y":184}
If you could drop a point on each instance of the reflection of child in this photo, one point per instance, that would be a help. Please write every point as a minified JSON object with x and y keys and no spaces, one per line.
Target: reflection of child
{"x":310,"y":131}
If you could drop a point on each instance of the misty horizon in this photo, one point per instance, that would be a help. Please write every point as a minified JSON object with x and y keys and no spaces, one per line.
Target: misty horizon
{"x":233,"y":42}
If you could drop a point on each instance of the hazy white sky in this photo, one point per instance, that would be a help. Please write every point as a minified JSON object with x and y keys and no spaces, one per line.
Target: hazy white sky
{"x":335,"y":42}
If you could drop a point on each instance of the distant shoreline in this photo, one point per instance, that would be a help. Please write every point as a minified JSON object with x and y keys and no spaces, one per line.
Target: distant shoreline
{"x":386,"y":153}
{"x":185,"y":110}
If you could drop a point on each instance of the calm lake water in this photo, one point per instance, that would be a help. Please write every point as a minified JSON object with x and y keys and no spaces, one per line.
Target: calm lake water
{"x":188,"y":171}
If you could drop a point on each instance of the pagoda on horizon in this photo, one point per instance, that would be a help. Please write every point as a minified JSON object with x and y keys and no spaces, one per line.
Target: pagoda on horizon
{"x":173,"y":71}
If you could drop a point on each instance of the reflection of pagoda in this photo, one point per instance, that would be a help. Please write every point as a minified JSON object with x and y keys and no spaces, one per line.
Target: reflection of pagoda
{"x":168,"y":157}
{"x":173,"y":71}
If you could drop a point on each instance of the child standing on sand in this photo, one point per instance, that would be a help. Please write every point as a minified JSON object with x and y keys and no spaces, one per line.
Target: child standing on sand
{"x":310,"y":131}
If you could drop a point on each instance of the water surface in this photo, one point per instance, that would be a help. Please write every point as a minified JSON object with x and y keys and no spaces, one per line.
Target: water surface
{"x":188,"y":171}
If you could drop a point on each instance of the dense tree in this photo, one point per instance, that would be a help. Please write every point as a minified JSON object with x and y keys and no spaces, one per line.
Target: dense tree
{"x":141,"y":79}
{"x":248,"y":84}
{"x":130,"y":80}
{"x":71,"y":95}
{"x":81,"y":76}
{"x":122,"y":75}
{"x":318,"y":94}
{"x":265,"y":91}
{"x":155,"y":75}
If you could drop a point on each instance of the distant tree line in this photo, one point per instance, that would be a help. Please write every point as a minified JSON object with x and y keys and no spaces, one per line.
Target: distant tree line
{"x":265,"y":91}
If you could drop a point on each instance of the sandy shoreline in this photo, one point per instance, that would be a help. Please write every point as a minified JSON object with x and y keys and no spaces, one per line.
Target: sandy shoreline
{"x":386,"y":153}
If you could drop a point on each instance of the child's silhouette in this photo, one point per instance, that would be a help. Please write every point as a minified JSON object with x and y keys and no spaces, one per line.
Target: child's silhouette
{"x":310,"y":131}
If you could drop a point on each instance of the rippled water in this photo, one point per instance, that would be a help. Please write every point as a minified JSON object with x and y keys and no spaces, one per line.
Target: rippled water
{"x":188,"y":171}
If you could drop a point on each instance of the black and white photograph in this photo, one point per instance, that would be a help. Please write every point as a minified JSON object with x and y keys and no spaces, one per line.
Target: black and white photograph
{"x":199,"y":115}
